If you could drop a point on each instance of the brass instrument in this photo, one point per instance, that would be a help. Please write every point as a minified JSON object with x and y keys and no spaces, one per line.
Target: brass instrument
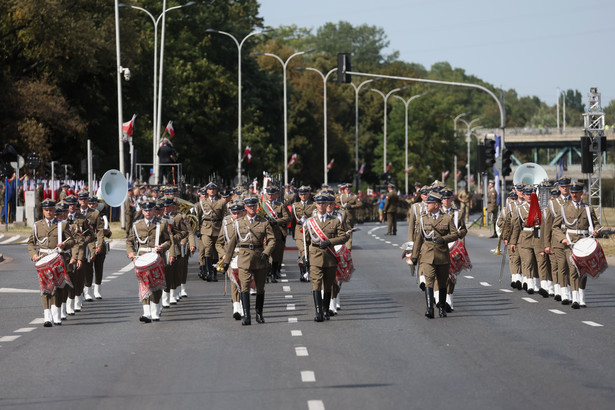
{"x":185,"y":207}
{"x":497,"y":251}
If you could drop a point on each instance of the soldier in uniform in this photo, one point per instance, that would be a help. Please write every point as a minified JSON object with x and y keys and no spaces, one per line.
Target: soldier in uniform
{"x":464,"y":204}
{"x":50,"y":236}
{"x":95,"y":244}
{"x":514,"y":260}
{"x":390,"y":209}
{"x":492,"y":206}
{"x":180,"y":234}
{"x":101,"y":255}
{"x":143,"y":239}
{"x":334,"y":305}
{"x":559,"y":263}
{"x":349,"y":203}
{"x":279,"y":218}
{"x":237,"y":210}
{"x":130,"y":210}
{"x":575,"y":220}
{"x":210,"y":210}
{"x":436,"y":230}
{"x":301,"y":211}
{"x":414,"y":213}
{"x":254,"y":237}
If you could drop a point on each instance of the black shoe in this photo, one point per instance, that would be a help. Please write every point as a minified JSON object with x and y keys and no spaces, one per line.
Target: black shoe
{"x":237,"y":315}
{"x":519,"y":287}
{"x":326,"y":302}
{"x":524,"y":286}
{"x":145,"y":319}
{"x":448,"y":308}
{"x":530,"y":291}
{"x":565,"y":302}
{"x":543,"y":293}
{"x":583,"y":305}
{"x":429,"y":299}
{"x":47,"y":324}
{"x":575,"y":305}
{"x":245,"y":301}
{"x":513,"y":285}
{"x":246,"y":321}
{"x":442,"y":304}
{"x":318,"y":306}
{"x":260,"y":301}
{"x":493,"y":236}
{"x":422,"y":286}
{"x":558,"y":298}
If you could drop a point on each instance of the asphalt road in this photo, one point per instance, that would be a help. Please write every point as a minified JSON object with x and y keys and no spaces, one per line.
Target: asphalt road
{"x":499,"y":349}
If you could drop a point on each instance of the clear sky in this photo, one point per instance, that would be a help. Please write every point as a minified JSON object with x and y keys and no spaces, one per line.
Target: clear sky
{"x":532,"y":46}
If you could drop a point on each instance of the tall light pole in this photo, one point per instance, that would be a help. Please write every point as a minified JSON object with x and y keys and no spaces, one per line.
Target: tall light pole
{"x":284,"y":65}
{"x":385,"y":98}
{"x":324,"y":81}
{"x":239,"y":45}
{"x":120,"y":119}
{"x":406,"y":103}
{"x":156,"y":112}
{"x":468,"y":139}
{"x":357,"y":88}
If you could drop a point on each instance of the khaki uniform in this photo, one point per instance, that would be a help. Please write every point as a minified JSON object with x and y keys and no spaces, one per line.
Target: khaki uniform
{"x":301,"y":212}
{"x":95,"y":242}
{"x":462,"y":231}
{"x":492,"y":207}
{"x":514,"y":260}
{"x":209,"y":212}
{"x":464,"y":205}
{"x":559,"y":266}
{"x":390,"y":207}
{"x":223,"y":240}
{"x":525,"y":238}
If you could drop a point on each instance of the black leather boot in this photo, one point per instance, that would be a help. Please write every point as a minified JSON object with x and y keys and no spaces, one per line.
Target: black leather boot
{"x":326,"y":301}
{"x":429,"y":299}
{"x":260,"y":301}
{"x":210,"y":269}
{"x":273,"y":271}
{"x":442,"y":303}
{"x":202,"y":273}
{"x":245,"y":301}
{"x":318,"y":305}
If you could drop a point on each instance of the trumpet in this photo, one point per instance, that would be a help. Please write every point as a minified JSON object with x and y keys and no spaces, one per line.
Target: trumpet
{"x":497,"y":251}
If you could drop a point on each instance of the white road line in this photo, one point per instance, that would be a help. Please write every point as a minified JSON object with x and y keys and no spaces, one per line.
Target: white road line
{"x":15,"y":290}
{"x":316,"y":405}
{"x":292,"y":320}
{"x":301,"y":351}
{"x":387,"y":242}
{"x":290,"y":307}
{"x":128,"y":267}
{"x":112,"y":277}
{"x":1,"y":236}
{"x":38,"y":321}
{"x":506,"y":290}
{"x":24,"y":330}
{"x":469,"y":277}
{"x":530,"y":300}
{"x":283,"y":275}
{"x":587,"y":322}
{"x":288,"y":296}
{"x":396,"y":245}
{"x":105,"y":280}
{"x":10,"y":240}
{"x":557,"y":312}
{"x":118,"y":273}
{"x":376,"y":237}
{"x":307,"y":376}
{"x":485,"y":284}
{"x":9,"y":338}
{"x":284,"y":280}
{"x":286,"y":288}
{"x":296,"y":333}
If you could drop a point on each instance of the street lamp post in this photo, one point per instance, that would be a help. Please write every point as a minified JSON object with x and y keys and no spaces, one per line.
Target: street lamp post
{"x":406,"y":103}
{"x":284,"y":66}
{"x":468,"y":139}
{"x":356,"y":125}
{"x":120,"y":120}
{"x":156,"y":109}
{"x":324,"y":81}
{"x":239,"y":45}
{"x":386,"y":98}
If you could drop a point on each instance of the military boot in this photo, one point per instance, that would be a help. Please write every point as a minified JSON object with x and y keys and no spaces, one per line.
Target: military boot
{"x":260,"y":301}
{"x":318,"y":305}
{"x":429,"y":299}
{"x":245,"y":301}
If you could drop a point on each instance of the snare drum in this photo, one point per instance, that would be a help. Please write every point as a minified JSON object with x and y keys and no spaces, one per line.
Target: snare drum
{"x":345,"y":265}
{"x":588,"y":256}
{"x":149,"y":268}
{"x":52,"y":273}
{"x":459,"y":257}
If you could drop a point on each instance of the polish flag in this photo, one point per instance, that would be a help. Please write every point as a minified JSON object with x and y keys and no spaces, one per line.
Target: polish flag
{"x":169,"y":129}
{"x":445,"y":174}
{"x":389,"y":167}
{"x":409,"y":169}
{"x":128,"y":127}
{"x":293,"y":159}
{"x":248,"y":153}
{"x":330,"y":164}
{"x":362,"y":169}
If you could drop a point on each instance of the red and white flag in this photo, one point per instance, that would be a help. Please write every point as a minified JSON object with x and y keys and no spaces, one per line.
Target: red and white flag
{"x":293,"y":159}
{"x":409,"y":169}
{"x":458,"y":174}
{"x":362,"y":169}
{"x":389,"y":167}
{"x":471,"y":179}
{"x":445,"y":174}
{"x":248,"y":153}
{"x":330,"y":164}
{"x":128,"y":127}
{"x":169,"y":129}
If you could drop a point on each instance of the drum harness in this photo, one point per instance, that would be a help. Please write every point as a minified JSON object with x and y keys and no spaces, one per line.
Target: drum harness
{"x":146,"y":249}
{"x":40,"y":242}
{"x":566,"y":224}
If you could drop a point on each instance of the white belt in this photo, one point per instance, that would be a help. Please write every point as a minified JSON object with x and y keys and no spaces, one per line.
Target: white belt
{"x":531,"y":229}
{"x":143,"y":250}
{"x":50,"y":251}
{"x":578,"y":231}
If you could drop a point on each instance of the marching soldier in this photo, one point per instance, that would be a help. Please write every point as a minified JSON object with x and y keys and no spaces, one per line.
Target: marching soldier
{"x":575,"y":220}
{"x":464,"y":204}
{"x":279,"y":218}
{"x":559,"y":263}
{"x":337,"y":286}
{"x":50,"y":236}
{"x":79,"y":228}
{"x":414,"y":214}
{"x":237,"y":210}
{"x":514,"y":261}
{"x":324,"y":232}
{"x":523,"y":239}
{"x":99,"y":261}
{"x":302,"y":210}
{"x":254,"y":237}
{"x":149,"y":234}
{"x":209,"y":211}
{"x":349,"y":203}
{"x":95,"y":243}
{"x":390,"y":209}
{"x":436,"y":230}
{"x":492,"y":206}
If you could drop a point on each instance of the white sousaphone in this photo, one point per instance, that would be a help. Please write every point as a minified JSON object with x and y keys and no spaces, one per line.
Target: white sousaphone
{"x":530,"y":174}
{"x":113,"y":188}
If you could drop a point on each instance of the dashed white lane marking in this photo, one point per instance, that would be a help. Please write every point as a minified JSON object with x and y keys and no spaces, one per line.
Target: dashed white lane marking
{"x":387,"y":241}
{"x":307,"y":376}
{"x":105,"y":280}
{"x":485,"y":284}
{"x":128,"y":267}
{"x":111,"y":277}
{"x":283,"y":275}
{"x":296,"y":333}
{"x":38,"y":321}
{"x":290,"y":307}
{"x":288,"y":296}
{"x":469,"y":277}
{"x":396,"y":245}
{"x":557,"y":312}
{"x":11,"y":239}
{"x":24,"y":330}
{"x":292,"y":320}
{"x":301,"y":351}
{"x":587,"y":322}
{"x":15,"y":290}
{"x":286,"y":288}
{"x":9,"y":338}
{"x":316,"y":405}
{"x":118,"y":273}
{"x":530,"y":300}
{"x":506,"y":290}
{"x":284,"y":280}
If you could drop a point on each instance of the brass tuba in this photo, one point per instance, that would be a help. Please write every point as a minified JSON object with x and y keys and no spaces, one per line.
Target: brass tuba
{"x":186,"y":208}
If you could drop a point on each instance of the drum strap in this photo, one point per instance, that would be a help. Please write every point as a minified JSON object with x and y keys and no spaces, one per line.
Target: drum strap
{"x":241,"y":238}
{"x":426,"y":235}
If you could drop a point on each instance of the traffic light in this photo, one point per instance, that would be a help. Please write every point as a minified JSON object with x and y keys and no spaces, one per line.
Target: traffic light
{"x":489,"y":153}
{"x":506,"y":162}
{"x":480,"y":158}
{"x":343,"y":65}
{"x":587,"y":156}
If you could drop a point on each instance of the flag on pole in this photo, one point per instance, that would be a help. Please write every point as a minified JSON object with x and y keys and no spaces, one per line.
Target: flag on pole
{"x":293,"y":159}
{"x":330,"y":164}
{"x":496,"y":172}
{"x":362,"y":169}
{"x":248,"y":153}
{"x":169,"y":129}
{"x":409,"y":169}
{"x":445,"y":174}
{"x":458,"y":174}
{"x":389,"y":167}
{"x":127,"y":129}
